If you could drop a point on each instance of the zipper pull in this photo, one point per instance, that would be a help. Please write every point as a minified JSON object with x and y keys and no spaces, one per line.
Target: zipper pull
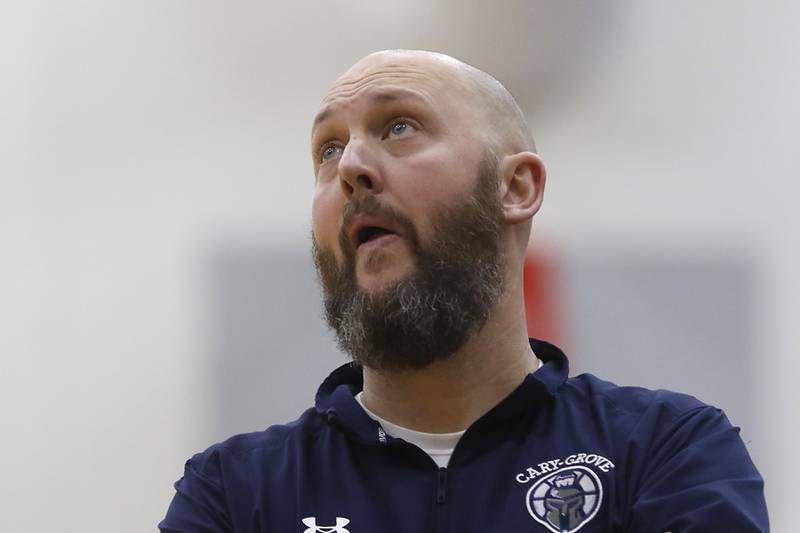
{"x":441,"y":494}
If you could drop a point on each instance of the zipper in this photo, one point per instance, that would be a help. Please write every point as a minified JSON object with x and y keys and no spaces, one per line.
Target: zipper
{"x":441,"y":492}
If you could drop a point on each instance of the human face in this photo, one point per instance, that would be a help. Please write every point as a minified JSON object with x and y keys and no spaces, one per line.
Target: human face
{"x":403,"y":132}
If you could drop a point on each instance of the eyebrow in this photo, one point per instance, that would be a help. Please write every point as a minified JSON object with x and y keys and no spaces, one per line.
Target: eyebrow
{"x":379,"y":97}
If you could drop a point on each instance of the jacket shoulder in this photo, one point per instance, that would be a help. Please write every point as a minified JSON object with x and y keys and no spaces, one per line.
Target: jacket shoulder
{"x":219,"y":485}
{"x":247,"y":447}
{"x":629,"y":402}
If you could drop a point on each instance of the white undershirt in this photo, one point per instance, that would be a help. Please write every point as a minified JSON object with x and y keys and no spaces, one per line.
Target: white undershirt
{"x":439,"y":446}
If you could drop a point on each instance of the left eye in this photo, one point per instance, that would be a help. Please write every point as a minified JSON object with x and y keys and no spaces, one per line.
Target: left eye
{"x":400,"y":127}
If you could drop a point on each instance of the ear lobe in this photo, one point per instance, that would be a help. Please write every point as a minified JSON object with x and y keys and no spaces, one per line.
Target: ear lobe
{"x":522,"y":186}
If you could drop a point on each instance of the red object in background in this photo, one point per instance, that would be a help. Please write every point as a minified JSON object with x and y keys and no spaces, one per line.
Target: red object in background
{"x":542,"y":299}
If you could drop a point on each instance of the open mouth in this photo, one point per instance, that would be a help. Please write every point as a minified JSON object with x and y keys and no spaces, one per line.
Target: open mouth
{"x":371,"y":233}
{"x":367,"y":229}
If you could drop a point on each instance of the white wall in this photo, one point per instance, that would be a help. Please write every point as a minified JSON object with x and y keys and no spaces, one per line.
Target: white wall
{"x":138,"y":138}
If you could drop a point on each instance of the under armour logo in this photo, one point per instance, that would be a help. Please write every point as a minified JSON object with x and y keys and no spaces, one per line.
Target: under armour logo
{"x":311,"y":522}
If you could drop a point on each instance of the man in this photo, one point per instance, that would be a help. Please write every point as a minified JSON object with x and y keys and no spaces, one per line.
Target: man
{"x":451,"y":419}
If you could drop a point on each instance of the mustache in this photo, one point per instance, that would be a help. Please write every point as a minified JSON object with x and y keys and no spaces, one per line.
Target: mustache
{"x":370,"y":205}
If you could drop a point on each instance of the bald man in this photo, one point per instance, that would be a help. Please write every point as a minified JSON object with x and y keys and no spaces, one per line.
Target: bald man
{"x":449,"y":417}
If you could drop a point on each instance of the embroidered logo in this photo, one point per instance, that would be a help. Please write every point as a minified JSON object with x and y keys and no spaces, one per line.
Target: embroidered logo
{"x":565,"y":500}
{"x":311,"y":522}
{"x":566,"y":493}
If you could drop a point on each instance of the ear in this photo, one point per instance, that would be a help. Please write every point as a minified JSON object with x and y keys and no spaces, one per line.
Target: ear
{"x":522,"y":186}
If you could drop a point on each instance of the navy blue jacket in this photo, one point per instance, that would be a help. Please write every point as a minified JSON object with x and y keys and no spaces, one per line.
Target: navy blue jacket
{"x":558,"y":454}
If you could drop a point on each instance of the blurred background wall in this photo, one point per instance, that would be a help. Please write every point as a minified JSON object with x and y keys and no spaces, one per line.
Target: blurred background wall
{"x":155,"y":183}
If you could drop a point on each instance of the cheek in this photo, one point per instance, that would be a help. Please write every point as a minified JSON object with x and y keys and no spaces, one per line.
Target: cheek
{"x":441,"y":171}
{"x":326,"y":215}
{"x":434,"y":183}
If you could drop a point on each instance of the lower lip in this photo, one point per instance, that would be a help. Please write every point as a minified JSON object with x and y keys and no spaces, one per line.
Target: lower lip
{"x":380,"y":242}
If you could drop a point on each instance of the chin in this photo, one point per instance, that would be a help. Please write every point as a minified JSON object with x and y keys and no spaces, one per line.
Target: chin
{"x":374,"y":283}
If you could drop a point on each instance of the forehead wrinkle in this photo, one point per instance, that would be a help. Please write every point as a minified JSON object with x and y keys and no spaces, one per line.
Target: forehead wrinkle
{"x":430,"y":79}
{"x":385,"y":93}
{"x":348,"y":89}
{"x":350,"y":80}
{"x":430,"y":74}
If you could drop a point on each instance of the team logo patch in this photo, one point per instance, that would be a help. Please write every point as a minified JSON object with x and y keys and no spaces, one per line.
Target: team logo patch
{"x":565,"y":500}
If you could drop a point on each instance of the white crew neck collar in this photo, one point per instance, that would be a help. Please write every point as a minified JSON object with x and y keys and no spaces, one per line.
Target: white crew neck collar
{"x":439,"y":446}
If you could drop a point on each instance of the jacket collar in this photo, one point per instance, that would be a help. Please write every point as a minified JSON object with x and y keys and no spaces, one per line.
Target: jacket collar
{"x":336,"y":403}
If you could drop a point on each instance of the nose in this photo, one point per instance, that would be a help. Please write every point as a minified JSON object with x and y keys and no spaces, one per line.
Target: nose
{"x":358,"y":170}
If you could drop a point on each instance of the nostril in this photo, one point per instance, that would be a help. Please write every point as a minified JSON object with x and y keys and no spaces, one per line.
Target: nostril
{"x":364,"y":181}
{"x":346,"y":187}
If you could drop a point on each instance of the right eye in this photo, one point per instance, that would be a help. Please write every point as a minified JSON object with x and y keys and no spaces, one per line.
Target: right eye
{"x":329,"y":151}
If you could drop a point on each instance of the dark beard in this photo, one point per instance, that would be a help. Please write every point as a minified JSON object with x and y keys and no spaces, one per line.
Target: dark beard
{"x":430,"y":314}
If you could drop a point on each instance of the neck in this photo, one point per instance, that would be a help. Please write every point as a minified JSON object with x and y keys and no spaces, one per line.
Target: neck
{"x":449,"y":395}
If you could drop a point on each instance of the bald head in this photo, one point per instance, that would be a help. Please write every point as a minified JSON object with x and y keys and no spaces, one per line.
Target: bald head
{"x":500,"y":116}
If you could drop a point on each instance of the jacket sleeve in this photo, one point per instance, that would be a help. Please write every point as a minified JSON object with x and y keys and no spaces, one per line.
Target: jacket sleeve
{"x":199,"y":504}
{"x":700,"y":479}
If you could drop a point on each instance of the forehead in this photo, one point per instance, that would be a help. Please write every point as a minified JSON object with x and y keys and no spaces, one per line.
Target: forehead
{"x":385,"y":81}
